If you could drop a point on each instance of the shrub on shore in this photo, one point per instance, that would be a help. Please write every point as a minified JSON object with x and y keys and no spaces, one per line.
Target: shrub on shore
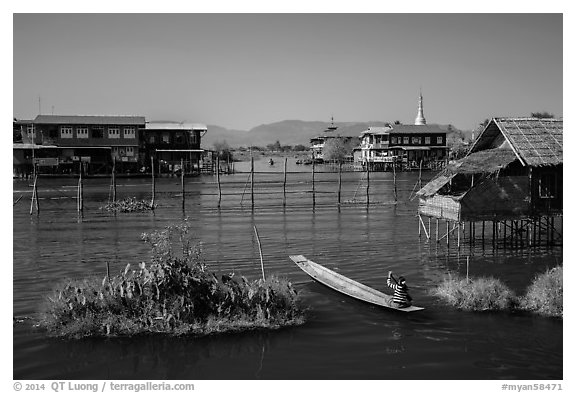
{"x":129,"y":205}
{"x":545,"y":294}
{"x":174,"y":294}
{"x":484,"y":293}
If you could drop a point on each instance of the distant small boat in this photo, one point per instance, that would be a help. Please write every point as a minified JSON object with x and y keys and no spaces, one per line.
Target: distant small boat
{"x":271,"y":161}
{"x":346,"y":285}
{"x":298,"y":162}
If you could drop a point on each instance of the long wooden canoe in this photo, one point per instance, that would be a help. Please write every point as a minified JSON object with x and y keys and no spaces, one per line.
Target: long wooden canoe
{"x":346,"y":285}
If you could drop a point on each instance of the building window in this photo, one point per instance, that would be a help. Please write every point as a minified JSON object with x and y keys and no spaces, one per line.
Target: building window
{"x":97,"y":132}
{"x":406,"y":140}
{"x":393,"y":140}
{"x":152,"y":139}
{"x":416,"y":140}
{"x":194,"y":138}
{"x":65,"y":132}
{"x":166,"y":137}
{"x":439,"y":140}
{"x":82,"y":132}
{"x":129,"y":151}
{"x":129,"y":133}
{"x":427,"y":140}
{"x":179,"y":139}
{"x":113,"y":133}
{"x":31,"y":131}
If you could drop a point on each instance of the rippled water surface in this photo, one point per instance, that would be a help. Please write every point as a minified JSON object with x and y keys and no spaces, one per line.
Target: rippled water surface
{"x":342,"y":338}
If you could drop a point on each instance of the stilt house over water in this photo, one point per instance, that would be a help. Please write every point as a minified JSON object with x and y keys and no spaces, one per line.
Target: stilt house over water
{"x":511,"y":177}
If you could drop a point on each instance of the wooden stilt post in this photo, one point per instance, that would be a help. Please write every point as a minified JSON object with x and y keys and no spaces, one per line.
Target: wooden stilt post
{"x":420,"y":176}
{"x":437,"y":230}
{"x":339,"y":181}
{"x":284,"y":185}
{"x":447,"y":233}
{"x":182,"y":186}
{"x":367,"y":185}
{"x":458,"y":234}
{"x":419,"y":225}
{"x":313,"y":182}
{"x":429,"y":227}
{"x":218,"y":180}
{"x":153,"y":184}
{"x":252,"y":180}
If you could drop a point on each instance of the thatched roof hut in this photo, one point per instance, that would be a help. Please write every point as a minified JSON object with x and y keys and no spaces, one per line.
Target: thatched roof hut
{"x":513,"y":170}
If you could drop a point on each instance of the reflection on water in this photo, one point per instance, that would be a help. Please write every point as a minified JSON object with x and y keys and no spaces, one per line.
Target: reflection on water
{"x":342,"y":338}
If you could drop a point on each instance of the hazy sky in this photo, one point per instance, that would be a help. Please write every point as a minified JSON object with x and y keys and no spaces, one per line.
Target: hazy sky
{"x":243,"y":70}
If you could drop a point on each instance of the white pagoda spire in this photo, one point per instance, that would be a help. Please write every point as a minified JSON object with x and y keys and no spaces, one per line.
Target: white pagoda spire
{"x":420,"y":120}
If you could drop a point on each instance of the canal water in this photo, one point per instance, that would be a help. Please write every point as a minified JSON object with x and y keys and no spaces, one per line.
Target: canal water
{"x":342,"y":338}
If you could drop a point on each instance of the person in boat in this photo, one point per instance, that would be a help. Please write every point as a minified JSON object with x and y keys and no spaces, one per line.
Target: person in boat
{"x":401,"y":297}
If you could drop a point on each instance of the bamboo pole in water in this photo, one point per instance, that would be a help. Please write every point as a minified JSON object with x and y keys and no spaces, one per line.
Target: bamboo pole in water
{"x":218,"y":180}
{"x":339,"y":181}
{"x":260,"y":250}
{"x":367,"y":184}
{"x":394,"y":179}
{"x":182,"y":183}
{"x":313,"y":182}
{"x":153,"y":184}
{"x":34,"y":201}
{"x":80,"y":195}
{"x":252,"y":180}
{"x":113,"y":179}
{"x":284,"y":189}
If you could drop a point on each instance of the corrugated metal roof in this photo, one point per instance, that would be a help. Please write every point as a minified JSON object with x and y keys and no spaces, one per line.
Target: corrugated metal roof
{"x":417,"y":129}
{"x":377,"y":131}
{"x":98,"y":120}
{"x":175,"y":126}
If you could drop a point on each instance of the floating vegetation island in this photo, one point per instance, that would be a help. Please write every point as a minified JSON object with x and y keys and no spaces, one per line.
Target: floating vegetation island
{"x":129,"y":205}
{"x":543,"y":297}
{"x":173,"y":294}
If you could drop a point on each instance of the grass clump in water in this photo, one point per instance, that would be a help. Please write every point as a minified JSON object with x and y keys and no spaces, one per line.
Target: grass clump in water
{"x":174,"y":294}
{"x":129,"y":205}
{"x":481,"y":294}
{"x":545,"y":294}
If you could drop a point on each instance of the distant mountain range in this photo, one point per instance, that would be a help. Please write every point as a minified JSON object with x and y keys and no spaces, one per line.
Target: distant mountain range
{"x":293,"y":132}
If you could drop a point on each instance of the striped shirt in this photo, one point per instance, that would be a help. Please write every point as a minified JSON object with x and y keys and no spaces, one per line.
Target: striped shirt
{"x":400,"y":292}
